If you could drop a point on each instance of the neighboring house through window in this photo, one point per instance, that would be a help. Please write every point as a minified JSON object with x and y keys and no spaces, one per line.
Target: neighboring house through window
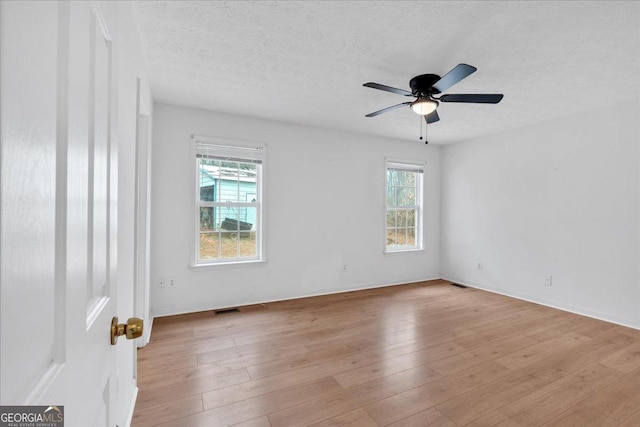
{"x":403,"y":230}
{"x":228,"y":201}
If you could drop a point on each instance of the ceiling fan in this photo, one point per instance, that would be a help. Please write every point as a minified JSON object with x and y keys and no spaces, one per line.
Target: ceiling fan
{"x":425,"y":87}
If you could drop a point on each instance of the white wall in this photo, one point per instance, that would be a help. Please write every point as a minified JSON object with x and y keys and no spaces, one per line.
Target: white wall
{"x":559,"y":198}
{"x":324,"y":208}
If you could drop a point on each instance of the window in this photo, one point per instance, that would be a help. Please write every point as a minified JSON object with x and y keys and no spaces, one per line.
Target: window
{"x":403,"y":206}
{"x":228,"y":202}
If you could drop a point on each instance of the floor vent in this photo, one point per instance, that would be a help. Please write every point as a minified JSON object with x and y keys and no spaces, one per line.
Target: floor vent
{"x":226,"y":311}
{"x":459,"y":285}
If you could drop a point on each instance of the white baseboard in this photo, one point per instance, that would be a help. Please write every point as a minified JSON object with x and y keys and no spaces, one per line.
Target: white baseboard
{"x":166,"y":311}
{"x":132,"y":407}
{"x":551,"y":304}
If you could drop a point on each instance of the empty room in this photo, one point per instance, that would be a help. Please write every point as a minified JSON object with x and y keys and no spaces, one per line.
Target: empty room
{"x":320,"y":213}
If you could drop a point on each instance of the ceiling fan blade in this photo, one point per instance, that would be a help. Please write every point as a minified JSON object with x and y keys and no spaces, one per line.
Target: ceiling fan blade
{"x":433,"y":117}
{"x":473,"y":98}
{"x":384,"y":110}
{"x":458,"y":73}
{"x":388,"y":89}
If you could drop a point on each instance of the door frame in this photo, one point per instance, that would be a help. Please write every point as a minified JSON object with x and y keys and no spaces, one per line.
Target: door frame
{"x":142,"y":223}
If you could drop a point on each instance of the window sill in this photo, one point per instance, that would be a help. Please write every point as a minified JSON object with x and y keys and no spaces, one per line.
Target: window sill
{"x":404,"y":251}
{"x":230,"y":264}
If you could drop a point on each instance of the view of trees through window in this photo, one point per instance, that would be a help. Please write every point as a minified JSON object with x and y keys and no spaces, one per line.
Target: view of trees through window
{"x":403,"y":207}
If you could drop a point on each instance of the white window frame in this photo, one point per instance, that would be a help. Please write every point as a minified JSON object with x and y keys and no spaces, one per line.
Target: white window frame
{"x":228,"y":149}
{"x":419,"y":206}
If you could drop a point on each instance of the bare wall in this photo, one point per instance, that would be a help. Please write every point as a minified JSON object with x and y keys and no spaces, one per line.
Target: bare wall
{"x":556,"y":199}
{"x":324,"y":209}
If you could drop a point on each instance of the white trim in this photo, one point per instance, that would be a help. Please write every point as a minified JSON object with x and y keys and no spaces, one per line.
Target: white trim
{"x":402,"y":251}
{"x":95,"y":310}
{"x":194,"y":308}
{"x":229,"y":264}
{"x":418,"y":167}
{"x":97,"y":11}
{"x":260,"y":206}
{"x":146,"y":334}
{"x":44,"y":383}
{"x":132,"y":406}
{"x":541,"y":301}
{"x":234,"y":143}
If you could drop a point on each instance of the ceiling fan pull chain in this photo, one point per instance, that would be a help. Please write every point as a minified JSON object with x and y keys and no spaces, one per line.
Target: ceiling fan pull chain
{"x":426,"y":126}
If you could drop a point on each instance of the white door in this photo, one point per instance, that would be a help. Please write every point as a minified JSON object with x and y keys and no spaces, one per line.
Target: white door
{"x":58,"y":205}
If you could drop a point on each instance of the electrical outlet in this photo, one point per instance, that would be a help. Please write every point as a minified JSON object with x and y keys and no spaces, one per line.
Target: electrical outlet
{"x":479,"y":265}
{"x":161,"y":283}
{"x":344,"y":267}
{"x":172,"y":282}
{"x":548,"y":280}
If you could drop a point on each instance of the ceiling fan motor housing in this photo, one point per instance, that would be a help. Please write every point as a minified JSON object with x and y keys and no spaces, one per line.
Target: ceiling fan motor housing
{"x":422,"y":85}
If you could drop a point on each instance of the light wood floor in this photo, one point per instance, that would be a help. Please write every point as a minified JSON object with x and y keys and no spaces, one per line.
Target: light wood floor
{"x":425,"y":354}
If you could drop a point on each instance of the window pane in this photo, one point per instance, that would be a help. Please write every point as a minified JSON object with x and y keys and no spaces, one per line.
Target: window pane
{"x":411,"y":237}
{"x":410,"y":179}
{"x":206,"y":219}
{"x":239,"y":218}
{"x":208,"y":178}
{"x":228,"y":227}
{"x":406,"y":196}
{"x":248,"y":243}
{"x":229,"y":243}
{"x":391,"y":237}
{"x":399,"y":177}
{"x":401,"y":238}
{"x":392,"y":177}
{"x":403,"y":205}
{"x":209,"y":246}
{"x":391,"y":219}
{"x":391,"y":195}
{"x":411,"y":218}
{"x":237,"y":182}
{"x":402,"y":218}
{"x":228,"y":182}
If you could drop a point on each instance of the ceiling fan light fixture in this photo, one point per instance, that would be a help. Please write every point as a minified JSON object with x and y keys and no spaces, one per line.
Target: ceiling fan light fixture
{"x":424,"y":106}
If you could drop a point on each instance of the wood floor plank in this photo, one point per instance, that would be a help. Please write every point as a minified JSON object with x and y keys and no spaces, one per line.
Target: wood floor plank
{"x":169,"y":411}
{"x":355,"y":418}
{"x":263,"y":386}
{"x":289,"y":363}
{"x":464,"y":408}
{"x":256,"y":422}
{"x":248,"y":355}
{"x":610,"y":405}
{"x":481,"y":354}
{"x":553,"y":399}
{"x":191,"y":387}
{"x":430,"y":417}
{"x":153,"y":366}
{"x":402,"y":405}
{"x":632,"y":420}
{"x":494,"y":419}
{"x":541,"y":350}
{"x":597,"y":348}
{"x":421,"y":354}
{"x":179,"y":375}
{"x":398,"y":364}
{"x":626,"y":359}
{"x":352,"y":398}
{"x":252,"y":408}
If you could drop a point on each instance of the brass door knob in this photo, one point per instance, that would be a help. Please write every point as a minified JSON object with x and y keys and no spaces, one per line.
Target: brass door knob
{"x":132,"y":329}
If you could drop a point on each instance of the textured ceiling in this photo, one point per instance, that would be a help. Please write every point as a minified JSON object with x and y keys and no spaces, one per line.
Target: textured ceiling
{"x":305,"y":62}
